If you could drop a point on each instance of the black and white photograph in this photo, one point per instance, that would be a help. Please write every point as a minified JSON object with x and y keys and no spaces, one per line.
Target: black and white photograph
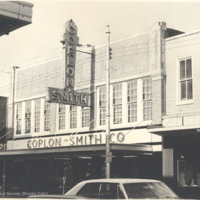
{"x":100,"y":99}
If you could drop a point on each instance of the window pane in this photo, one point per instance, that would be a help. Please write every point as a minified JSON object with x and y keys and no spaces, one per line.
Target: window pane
{"x":85,"y":117}
{"x":37,"y":115}
{"x":183,"y":90}
{"x":117,"y":93}
{"x":18,"y":117}
{"x":90,"y":190}
{"x":182,"y":69}
{"x":189,"y":68}
{"x":132,"y":91}
{"x":73,"y":116}
{"x":27,"y":116}
{"x":132,"y":112}
{"x":189,"y":90}
{"x":117,"y":114}
{"x":46,"y":116}
{"x":108,"y":191}
{"x":61,"y":116}
{"x":102,"y":116}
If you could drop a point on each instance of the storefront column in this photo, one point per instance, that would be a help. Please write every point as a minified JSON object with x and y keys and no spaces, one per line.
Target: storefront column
{"x":4,"y":178}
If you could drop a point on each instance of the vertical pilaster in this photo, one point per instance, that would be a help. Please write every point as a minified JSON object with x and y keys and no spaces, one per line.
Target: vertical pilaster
{"x":157,"y":65}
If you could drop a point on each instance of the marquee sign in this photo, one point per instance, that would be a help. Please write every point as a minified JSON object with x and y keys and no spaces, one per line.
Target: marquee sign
{"x":68,"y":95}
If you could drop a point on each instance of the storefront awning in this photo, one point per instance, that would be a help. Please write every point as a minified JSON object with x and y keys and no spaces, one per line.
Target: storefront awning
{"x":14,"y":15}
{"x":176,"y":131}
{"x":74,"y":151}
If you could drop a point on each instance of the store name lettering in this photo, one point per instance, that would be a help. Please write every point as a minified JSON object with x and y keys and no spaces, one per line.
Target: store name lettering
{"x":65,"y":96}
{"x":74,"y":140}
{"x":71,"y":41}
{"x":43,"y":143}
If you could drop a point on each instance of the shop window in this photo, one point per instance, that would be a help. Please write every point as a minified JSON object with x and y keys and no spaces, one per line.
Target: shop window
{"x":27,"y":116}
{"x":132,"y":101}
{"x":18,"y":118}
{"x":147,"y":99}
{"x":188,"y":173}
{"x":46,"y":116}
{"x":61,"y":113}
{"x":85,"y":116}
{"x":102,"y":105}
{"x":73,"y":117}
{"x":186,"y":92}
{"x":117,"y":103}
{"x":37,"y":115}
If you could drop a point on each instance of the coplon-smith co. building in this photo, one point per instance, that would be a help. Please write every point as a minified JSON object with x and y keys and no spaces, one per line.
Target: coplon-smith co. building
{"x":55,"y":145}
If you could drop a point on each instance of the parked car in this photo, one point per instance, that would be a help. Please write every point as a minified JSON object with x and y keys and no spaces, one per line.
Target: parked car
{"x":116,"y":189}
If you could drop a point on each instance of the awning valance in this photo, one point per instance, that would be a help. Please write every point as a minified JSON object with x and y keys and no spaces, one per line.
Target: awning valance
{"x":73,"y":151}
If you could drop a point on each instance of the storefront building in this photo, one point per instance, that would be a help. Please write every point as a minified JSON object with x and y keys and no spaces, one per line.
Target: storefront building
{"x":56,"y":145}
{"x":180,"y":124}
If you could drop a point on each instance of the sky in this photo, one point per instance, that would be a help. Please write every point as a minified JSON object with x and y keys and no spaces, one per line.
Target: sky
{"x":40,"y":40}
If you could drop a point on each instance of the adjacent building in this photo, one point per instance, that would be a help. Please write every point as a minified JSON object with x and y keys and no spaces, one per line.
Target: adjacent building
{"x":180,"y":123}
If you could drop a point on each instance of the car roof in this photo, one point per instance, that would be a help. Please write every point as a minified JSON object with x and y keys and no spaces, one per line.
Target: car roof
{"x":120,"y":180}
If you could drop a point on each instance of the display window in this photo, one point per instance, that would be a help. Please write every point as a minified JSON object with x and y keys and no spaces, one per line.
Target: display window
{"x":188,"y":173}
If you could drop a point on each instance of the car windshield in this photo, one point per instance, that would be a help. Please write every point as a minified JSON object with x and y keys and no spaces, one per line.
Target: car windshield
{"x":155,"y":190}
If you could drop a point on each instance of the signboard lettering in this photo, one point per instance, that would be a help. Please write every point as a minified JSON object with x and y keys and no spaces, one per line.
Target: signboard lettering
{"x":74,"y":140}
{"x":68,"y":95}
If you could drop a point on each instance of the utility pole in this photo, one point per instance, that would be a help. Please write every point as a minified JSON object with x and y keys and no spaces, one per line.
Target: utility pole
{"x":13,"y":97}
{"x":13,"y":115}
{"x":108,"y":153}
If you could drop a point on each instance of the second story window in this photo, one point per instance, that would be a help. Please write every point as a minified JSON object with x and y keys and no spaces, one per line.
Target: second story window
{"x":18,"y":118}
{"x":61,"y":113}
{"x":186,"y":92}
{"x":132,"y":101}
{"x":46,"y":116}
{"x":73,"y":117}
{"x":147,"y":99}
{"x":117,"y":103}
{"x":27,"y":116}
{"x":37,"y":115}
{"x":102,"y":105}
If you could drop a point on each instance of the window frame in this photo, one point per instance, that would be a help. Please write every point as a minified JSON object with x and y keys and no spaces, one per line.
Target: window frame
{"x":47,"y":114}
{"x":61,"y":116}
{"x":132,"y":100}
{"x":181,"y":101}
{"x":117,"y":104}
{"x":147,"y":98}
{"x":27,"y":114}
{"x":37,"y":115}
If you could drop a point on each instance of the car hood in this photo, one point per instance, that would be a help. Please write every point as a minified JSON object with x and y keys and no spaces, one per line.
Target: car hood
{"x":59,"y":196}
{"x":81,"y":197}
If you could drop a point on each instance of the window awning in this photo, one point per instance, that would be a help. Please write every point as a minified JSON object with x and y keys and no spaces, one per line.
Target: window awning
{"x":176,"y":131}
{"x":74,"y":151}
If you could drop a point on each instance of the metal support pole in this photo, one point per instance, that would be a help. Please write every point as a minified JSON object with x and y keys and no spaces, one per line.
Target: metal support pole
{"x":108,"y":154}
